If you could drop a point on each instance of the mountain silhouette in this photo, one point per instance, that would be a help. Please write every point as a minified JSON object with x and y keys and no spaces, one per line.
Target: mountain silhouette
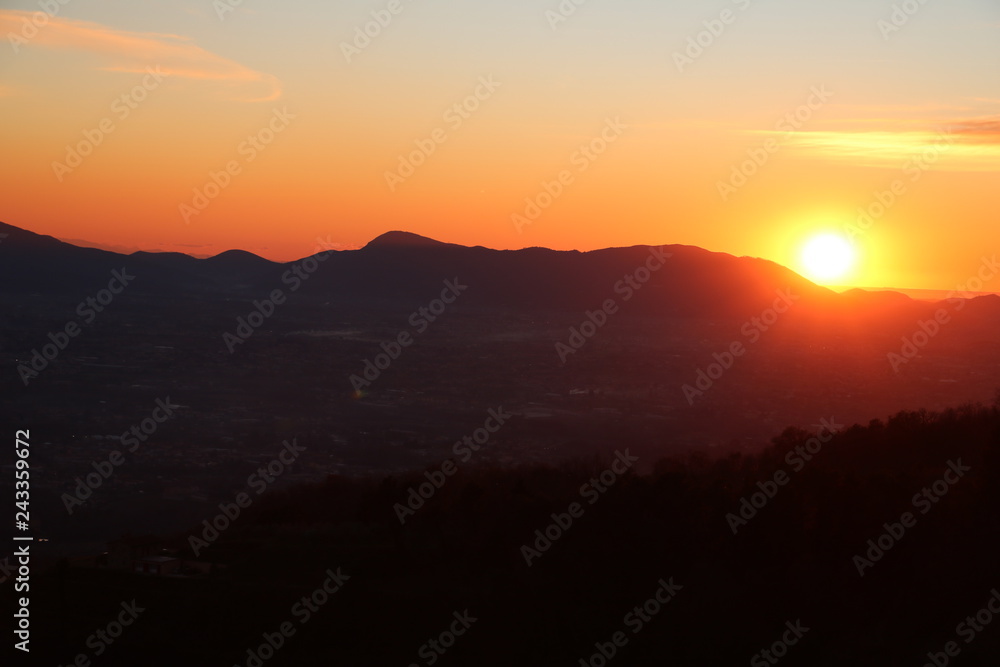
{"x":403,"y":268}
{"x":404,"y":239}
{"x":400,"y":266}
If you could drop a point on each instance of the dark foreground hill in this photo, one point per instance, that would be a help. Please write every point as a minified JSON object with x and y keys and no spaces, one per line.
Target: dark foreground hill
{"x":877,"y":547}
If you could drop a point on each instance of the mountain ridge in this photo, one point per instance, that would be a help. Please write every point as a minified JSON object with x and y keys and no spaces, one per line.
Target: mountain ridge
{"x":404,"y":267}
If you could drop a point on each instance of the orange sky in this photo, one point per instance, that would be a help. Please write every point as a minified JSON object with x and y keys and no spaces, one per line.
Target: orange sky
{"x":310,"y":124}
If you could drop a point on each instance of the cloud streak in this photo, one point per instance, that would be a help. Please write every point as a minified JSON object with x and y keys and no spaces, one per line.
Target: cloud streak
{"x":127,"y":51}
{"x":986,"y":130}
{"x":972,"y":144}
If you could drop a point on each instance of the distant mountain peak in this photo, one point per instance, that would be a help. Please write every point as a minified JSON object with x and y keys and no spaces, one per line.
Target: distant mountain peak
{"x":397,"y":239}
{"x":239,"y":259}
{"x":236,"y":254}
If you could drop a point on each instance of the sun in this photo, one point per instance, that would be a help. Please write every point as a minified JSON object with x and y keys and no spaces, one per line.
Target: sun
{"x":828,"y":257}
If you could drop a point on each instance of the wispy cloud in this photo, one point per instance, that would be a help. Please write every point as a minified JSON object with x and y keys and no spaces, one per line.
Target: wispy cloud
{"x":961,"y":144}
{"x":127,"y":51}
{"x":986,"y":129}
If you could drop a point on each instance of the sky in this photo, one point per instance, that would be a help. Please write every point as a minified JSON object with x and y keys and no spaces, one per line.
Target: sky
{"x":741,"y":126}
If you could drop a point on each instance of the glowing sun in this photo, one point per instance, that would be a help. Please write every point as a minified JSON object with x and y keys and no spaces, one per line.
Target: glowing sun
{"x":827,"y":257}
